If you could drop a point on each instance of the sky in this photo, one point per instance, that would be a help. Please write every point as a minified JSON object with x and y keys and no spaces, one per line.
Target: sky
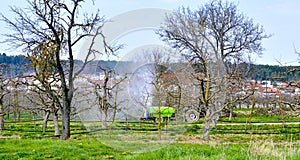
{"x":280,"y":18}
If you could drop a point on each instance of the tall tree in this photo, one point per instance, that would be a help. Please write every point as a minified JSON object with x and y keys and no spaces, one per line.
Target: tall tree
{"x":58,"y":26}
{"x":213,"y":37}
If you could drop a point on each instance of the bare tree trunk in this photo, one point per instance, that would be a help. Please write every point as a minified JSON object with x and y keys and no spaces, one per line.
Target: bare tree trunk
{"x":252,"y":109}
{"x":231,"y":105}
{"x":230,"y":113}
{"x":281,"y":111}
{"x":1,"y":115}
{"x":16,"y":106}
{"x":56,"y":125}
{"x":207,"y":114}
{"x":179,"y":104}
{"x":114,"y":114}
{"x":15,"y":115}
{"x":104,"y":119}
{"x":45,"y":121}
{"x":66,"y":119}
{"x":159,"y":120}
{"x":33,"y":115}
{"x":19,"y":115}
{"x":207,"y":128}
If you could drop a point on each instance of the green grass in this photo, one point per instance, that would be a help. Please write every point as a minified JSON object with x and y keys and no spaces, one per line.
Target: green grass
{"x":214,"y":151}
{"x":90,"y":148}
{"x":54,"y":149}
{"x":260,"y":129}
{"x":229,"y":140}
{"x":257,"y":118}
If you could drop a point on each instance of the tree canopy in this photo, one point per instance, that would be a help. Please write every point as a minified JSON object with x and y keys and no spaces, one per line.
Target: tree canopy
{"x":215,"y":39}
{"x":45,"y":30}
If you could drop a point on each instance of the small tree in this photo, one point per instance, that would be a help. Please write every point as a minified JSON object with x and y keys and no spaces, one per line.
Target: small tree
{"x":213,"y":37}
{"x":40,"y":100}
{"x":102,"y":92}
{"x":104,"y":96}
{"x":159,"y":88}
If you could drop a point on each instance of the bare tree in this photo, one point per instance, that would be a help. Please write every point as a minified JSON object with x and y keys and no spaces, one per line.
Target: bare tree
{"x":3,"y":92}
{"x":160,"y":86}
{"x":40,"y":100}
{"x":102,"y":92}
{"x":213,"y":37}
{"x":104,"y":96}
{"x":15,"y":92}
{"x":117,"y":89}
{"x":57,"y":26}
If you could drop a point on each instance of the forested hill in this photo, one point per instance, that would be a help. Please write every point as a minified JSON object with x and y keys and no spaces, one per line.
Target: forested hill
{"x":274,"y":72}
{"x":16,"y":65}
{"x":13,"y":60}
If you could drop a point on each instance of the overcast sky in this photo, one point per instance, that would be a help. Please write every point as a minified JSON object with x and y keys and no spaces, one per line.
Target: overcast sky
{"x":281,"y":18}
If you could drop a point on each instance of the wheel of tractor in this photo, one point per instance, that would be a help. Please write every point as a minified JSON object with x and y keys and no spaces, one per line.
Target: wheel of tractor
{"x":192,"y":115}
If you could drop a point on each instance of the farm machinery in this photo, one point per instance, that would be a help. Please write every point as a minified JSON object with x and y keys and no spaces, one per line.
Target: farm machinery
{"x":157,"y":113}
{"x":163,"y":113}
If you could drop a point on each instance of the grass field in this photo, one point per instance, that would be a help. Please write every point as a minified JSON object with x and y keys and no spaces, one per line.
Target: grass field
{"x":229,"y":140}
{"x":87,"y":147}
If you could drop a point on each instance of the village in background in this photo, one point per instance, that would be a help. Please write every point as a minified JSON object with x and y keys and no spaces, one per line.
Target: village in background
{"x":266,"y":80}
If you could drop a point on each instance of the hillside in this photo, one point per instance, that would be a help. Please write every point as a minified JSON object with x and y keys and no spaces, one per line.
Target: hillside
{"x":18,"y":65}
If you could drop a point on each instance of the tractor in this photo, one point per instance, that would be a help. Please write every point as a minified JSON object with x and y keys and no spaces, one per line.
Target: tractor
{"x":191,"y":114}
{"x":164,"y":113}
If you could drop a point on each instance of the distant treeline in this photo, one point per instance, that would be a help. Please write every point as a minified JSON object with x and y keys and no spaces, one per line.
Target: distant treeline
{"x":16,"y":65}
{"x":274,"y":72}
{"x":13,"y":60}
